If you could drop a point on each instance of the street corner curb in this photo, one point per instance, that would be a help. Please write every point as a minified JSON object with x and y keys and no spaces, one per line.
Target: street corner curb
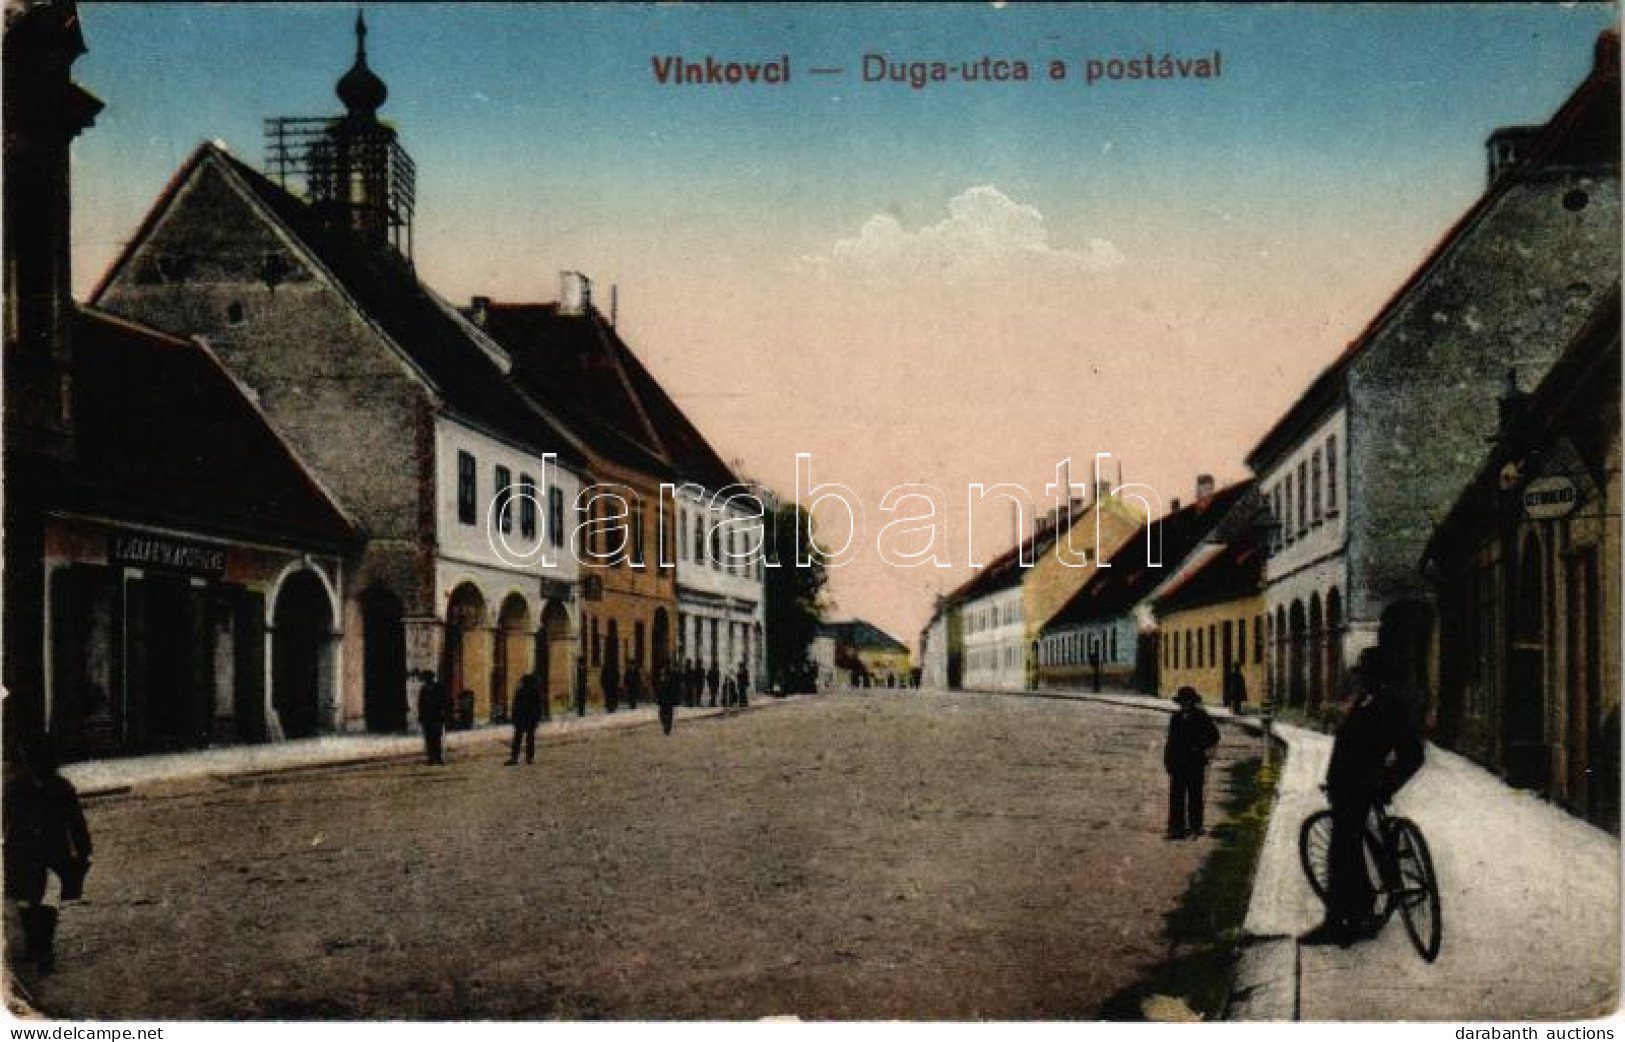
{"x":1264,"y":986}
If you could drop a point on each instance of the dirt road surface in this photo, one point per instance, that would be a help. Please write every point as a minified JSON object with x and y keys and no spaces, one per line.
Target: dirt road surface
{"x":888,"y":856}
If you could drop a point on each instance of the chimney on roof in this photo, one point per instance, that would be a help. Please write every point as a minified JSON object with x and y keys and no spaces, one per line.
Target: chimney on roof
{"x":1204,"y":486}
{"x":1606,"y":59}
{"x":614,"y":303}
{"x":1173,"y":505}
{"x":479,"y":309}
{"x":1506,"y":146}
{"x":575,"y":293}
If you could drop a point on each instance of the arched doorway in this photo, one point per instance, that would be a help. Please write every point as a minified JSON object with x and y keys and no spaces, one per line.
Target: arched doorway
{"x":468,"y":649}
{"x":1334,"y":643}
{"x":1278,"y":647}
{"x":515,"y":651}
{"x":1405,"y":649}
{"x":660,"y":641}
{"x":1297,"y":639}
{"x":554,"y":644}
{"x":1526,"y":689}
{"x":383,"y":655}
{"x":1317,"y":651}
{"x":301,"y":646}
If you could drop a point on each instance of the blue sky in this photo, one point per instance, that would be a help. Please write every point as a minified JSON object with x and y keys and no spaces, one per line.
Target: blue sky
{"x":956,"y":284}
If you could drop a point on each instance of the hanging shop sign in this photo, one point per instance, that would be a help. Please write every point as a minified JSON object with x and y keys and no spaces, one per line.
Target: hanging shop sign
{"x":1548,"y":498}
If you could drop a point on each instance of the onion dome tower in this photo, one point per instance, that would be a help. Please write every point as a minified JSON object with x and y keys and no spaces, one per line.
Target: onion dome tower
{"x":356,"y":174}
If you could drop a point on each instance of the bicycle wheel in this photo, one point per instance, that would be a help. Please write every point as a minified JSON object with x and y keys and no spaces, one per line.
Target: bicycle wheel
{"x":1314,"y":851}
{"x":1418,"y":892}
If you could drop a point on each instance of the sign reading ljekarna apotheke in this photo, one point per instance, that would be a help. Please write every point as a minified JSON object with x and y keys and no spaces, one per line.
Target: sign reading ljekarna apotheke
{"x":141,"y":550}
{"x":1551,"y":497}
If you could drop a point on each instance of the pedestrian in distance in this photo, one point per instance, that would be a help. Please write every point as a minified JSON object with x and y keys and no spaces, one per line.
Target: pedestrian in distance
{"x":742,"y":685}
{"x":668,"y":692}
{"x":609,"y":677}
{"x":713,"y":680}
{"x":527,"y":716}
{"x":634,"y":683}
{"x":1192,"y":735}
{"x":433,"y":708}
{"x":45,"y":834}
{"x":1235,"y":688}
{"x":1094,"y":664}
{"x":1376,"y":750}
{"x":581,"y":686}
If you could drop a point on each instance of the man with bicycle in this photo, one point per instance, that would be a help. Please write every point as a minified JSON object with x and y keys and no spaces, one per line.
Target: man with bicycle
{"x":1377,"y":749}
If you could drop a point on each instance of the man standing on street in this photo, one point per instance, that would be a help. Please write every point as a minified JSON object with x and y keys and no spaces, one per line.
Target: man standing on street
{"x":610,"y":679}
{"x":713,"y":680}
{"x":527,"y":715}
{"x":1235,"y":688}
{"x":432,"y":710}
{"x":1191,"y":738}
{"x":634,"y":683}
{"x":742,"y":685}
{"x":1377,"y":749}
{"x":668,"y":692}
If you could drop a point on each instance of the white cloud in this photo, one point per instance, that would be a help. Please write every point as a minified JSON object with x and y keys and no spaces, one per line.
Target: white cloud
{"x":985,"y":232}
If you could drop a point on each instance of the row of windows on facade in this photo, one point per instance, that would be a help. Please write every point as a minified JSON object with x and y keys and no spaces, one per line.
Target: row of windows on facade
{"x":994,"y":615}
{"x":1198,"y":647}
{"x":993,"y":658}
{"x":1075,"y":649}
{"x":628,"y":535}
{"x":1316,"y":498}
{"x":738,"y":635}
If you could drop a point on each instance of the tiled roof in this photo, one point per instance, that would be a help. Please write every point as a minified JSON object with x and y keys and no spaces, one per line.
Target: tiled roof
{"x":437,"y":341}
{"x":861,"y":635}
{"x":1234,"y":572}
{"x":1127,"y":578}
{"x":164,"y":435}
{"x":577,"y":365}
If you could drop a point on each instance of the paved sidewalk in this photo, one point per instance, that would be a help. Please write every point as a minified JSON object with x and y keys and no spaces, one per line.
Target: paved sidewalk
{"x":99,"y":777}
{"x":1530,"y":899}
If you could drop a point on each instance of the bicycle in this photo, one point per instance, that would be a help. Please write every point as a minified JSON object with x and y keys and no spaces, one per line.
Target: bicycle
{"x":1397,"y":857}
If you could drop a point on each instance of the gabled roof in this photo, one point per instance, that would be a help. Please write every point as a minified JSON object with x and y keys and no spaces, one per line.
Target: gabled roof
{"x":1583,"y":132}
{"x":860,"y":635}
{"x":1005,"y":570}
{"x":1236,"y":571}
{"x":1581,"y":389}
{"x":576,"y":364}
{"x":1127,"y":579}
{"x":163,"y":435}
{"x":454,"y":359}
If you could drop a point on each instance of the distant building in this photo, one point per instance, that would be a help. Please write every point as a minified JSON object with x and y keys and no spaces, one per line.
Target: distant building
{"x":989,"y":626}
{"x":865,"y":655}
{"x":1212,"y":617}
{"x":1370,"y":456}
{"x":1527,"y":567}
{"x":1109,"y":626}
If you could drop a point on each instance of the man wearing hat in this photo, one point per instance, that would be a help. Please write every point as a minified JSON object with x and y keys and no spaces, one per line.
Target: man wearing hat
{"x":433,"y":708}
{"x":1191,"y":738}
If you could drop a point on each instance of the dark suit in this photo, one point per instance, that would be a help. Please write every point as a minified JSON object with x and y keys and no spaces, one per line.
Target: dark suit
{"x":668,"y":691}
{"x":1377,"y":749}
{"x":1191,"y":737}
{"x":527,"y":714}
{"x":433,"y":707}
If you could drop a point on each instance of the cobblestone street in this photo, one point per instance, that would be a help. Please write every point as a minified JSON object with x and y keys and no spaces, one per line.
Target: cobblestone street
{"x":919,"y":855}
